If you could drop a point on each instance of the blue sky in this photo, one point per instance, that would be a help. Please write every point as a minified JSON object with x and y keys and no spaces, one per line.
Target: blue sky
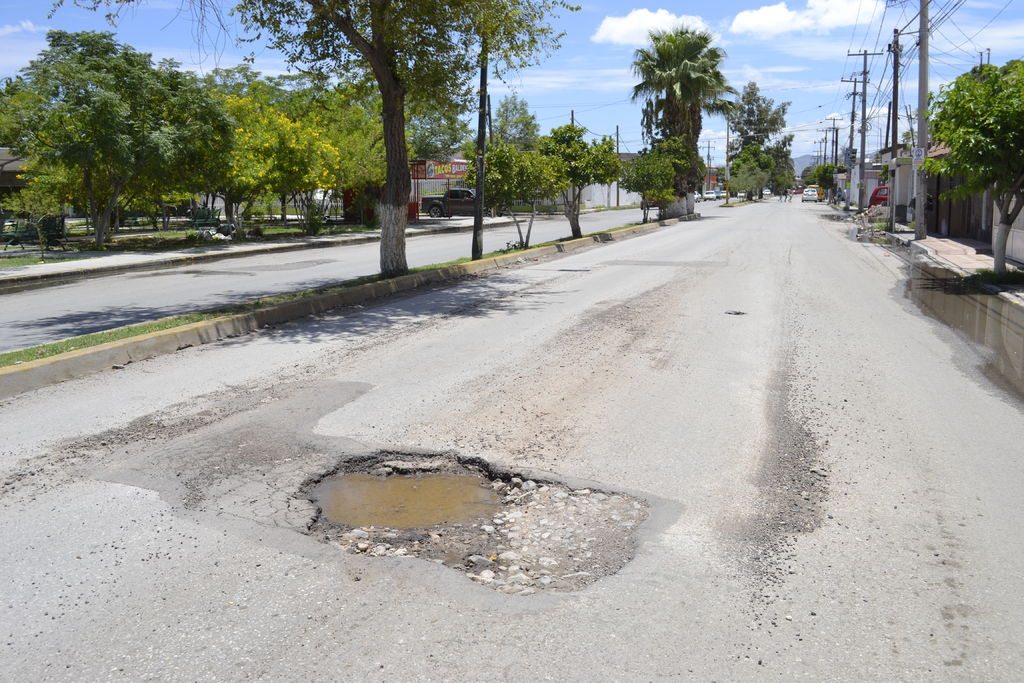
{"x":795,"y":51}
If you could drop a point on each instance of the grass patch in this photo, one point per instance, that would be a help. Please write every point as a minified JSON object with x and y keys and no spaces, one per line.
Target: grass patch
{"x":184,"y":237}
{"x":15,"y":261}
{"x":85,"y":341}
{"x":989,"y":277}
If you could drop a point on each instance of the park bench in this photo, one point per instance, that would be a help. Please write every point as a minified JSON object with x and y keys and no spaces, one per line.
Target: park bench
{"x":207,"y":221}
{"x":47,"y":231}
{"x":203,"y":217}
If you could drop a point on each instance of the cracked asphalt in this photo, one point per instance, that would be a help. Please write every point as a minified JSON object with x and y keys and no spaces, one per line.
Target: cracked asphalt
{"x":831,"y":478}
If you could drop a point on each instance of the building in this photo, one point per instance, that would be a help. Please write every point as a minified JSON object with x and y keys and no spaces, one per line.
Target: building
{"x":11,"y":169}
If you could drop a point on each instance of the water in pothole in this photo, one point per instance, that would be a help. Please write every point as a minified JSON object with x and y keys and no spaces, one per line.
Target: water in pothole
{"x":404,"y":502}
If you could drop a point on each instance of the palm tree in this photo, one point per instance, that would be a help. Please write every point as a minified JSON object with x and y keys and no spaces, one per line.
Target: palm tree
{"x":680,"y":79}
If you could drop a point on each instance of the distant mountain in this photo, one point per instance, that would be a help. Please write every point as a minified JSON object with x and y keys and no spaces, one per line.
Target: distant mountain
{"x":801,"y":162}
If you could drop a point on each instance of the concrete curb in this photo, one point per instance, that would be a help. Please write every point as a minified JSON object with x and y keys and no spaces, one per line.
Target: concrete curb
{"x":16,"y":379}
{"x":929,"y":253}
{"x":17,"y":282}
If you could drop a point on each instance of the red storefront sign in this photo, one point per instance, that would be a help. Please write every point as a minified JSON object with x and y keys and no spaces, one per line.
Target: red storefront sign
{"x":438,"y":170}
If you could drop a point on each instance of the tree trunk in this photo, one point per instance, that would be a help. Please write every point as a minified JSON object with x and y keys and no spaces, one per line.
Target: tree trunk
{"x":999,"y":239}
{"x":529,"y":228}
{"x":229,"y":209}
{"x":572,"y":210}
{"x":392,"y":211}
{"x":522,"y":243}
{"x":284,"y":209}
{"x":94,"y":212}
{"x":674,"y":209}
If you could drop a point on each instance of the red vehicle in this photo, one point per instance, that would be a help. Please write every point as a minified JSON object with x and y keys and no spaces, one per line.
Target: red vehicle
{"x":880,"y":195}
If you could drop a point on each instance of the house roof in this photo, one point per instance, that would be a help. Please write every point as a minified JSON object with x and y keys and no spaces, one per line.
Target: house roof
{"x":10,"y":162}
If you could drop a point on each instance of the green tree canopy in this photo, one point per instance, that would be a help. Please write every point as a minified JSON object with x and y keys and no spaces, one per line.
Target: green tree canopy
{"x":514,"y":176}
{"x":751,"y":170}
{"x":652,"y":176}
{"x":980,"y":118}
{"x":757,"y":121}
{"x":424,"y":50}
{"x":583,"y":163}
{"x":515,"y":125}
{"x":102,"y":111}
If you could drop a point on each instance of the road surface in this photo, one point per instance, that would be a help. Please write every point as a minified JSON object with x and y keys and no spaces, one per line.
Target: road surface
{"x":832,"y":482}
{"x":49,"y":314}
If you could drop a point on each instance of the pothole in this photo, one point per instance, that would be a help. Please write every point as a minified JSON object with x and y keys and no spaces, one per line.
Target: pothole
{"x":503,"y":530}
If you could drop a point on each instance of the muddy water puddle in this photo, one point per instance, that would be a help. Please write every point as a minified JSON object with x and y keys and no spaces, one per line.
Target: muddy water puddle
{"x":501,"y":529}
{"x":987,"y":320}
{"x":405,"y":502}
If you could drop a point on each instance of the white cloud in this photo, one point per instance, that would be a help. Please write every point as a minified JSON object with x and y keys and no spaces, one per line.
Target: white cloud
{"x":538,"y":81}
{"x":635,"y":27}
{"x":21,"y":27}
{"x":819,"y":16}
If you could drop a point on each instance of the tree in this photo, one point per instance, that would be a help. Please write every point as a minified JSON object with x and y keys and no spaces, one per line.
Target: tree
{"x":435,"y":135}
{"x":680,"y":79}
{"x":757,"y":121}
{"x":582,"y":163}
{"x":980,"y":118}
{"x":426,"y":51}
{"x":824,"y":176}
{"x":518,"y":176}
{"x":652,"y":176}
{"x":751,"y":170}
{"x":515,"y":125}
{"x":103,"y":111}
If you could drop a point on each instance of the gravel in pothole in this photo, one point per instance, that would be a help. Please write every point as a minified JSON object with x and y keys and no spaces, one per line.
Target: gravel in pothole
{"x":522,"y":536}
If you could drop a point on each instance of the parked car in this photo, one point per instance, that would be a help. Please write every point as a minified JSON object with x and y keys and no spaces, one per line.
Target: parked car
{"x":880,"y":195}
{"x":710,"y":194}
{"x":719,"y":194}
{"x":810,"y":194}
{"x":766,"y":192}
{"x":455,"y":202}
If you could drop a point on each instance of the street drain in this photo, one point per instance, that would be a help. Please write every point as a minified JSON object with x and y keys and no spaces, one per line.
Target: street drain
{"x":405,"y":501}
{"x":503,"y":530}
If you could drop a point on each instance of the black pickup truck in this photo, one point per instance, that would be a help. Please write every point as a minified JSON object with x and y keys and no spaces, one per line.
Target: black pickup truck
{"x":458,"y":201}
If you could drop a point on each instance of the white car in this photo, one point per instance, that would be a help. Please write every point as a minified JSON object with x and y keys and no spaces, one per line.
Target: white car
{"x":809,"y":195}
{"x":710,"y":194}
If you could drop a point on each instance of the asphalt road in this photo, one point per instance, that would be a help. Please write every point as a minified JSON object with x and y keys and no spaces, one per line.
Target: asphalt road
{"x":49,"y":314}
{"x":834,"y":483}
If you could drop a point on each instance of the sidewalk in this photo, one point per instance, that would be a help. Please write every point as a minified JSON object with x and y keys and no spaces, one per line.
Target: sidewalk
{"x":962,"y":256}
{"x":95,"y":264}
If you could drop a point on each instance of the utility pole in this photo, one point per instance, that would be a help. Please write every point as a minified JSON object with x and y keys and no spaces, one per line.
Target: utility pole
{"x":727,"y":160}
{"x":481,"y":141}
{"x":863,"y":123}
{"x":572,"y":116}
{"x":617,"y":154}
{"x":894,"y":131}
{"x":835,"y":140}
{"x":853,"y":118}
{"x":707,"y":168}
{"x":921,"y":201}
{"x":490,"y":123}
